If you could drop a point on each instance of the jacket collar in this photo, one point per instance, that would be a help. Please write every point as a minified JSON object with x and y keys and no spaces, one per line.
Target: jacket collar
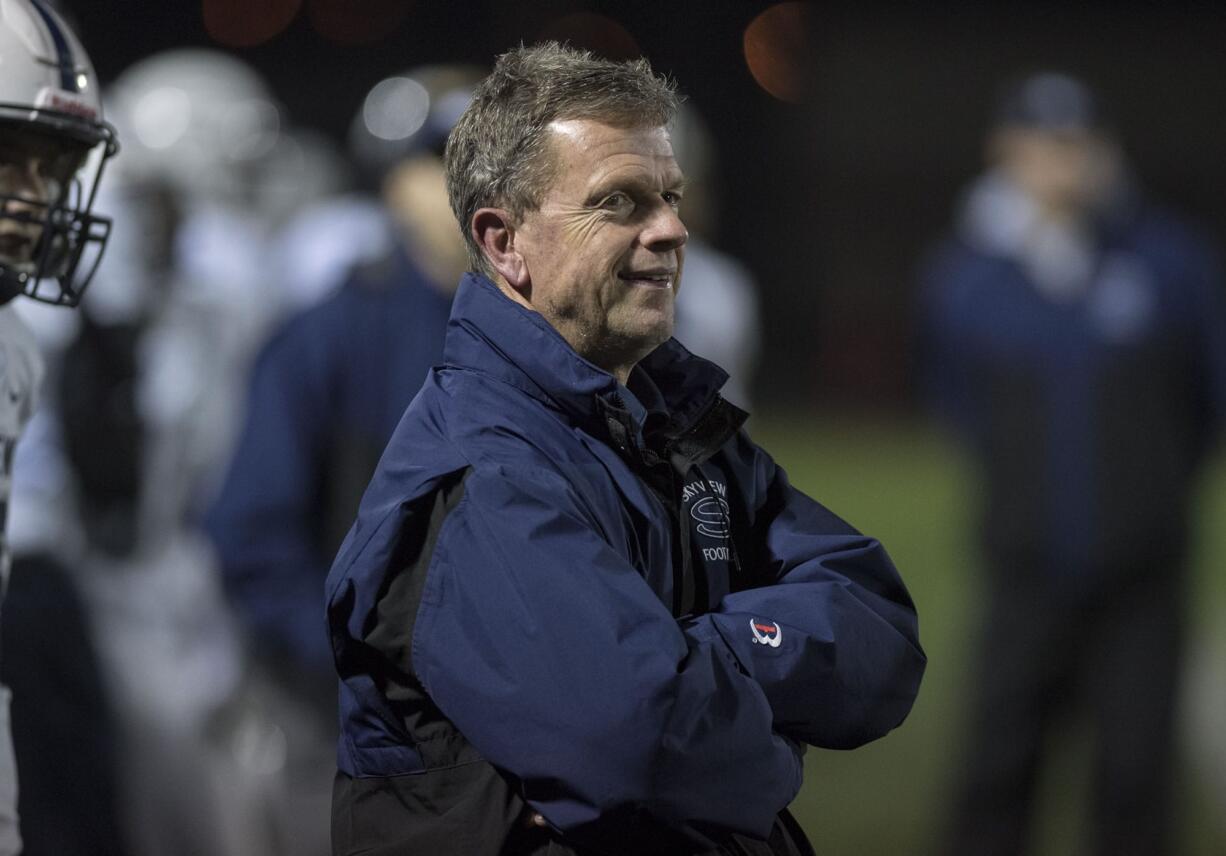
{"x":674,"y":391}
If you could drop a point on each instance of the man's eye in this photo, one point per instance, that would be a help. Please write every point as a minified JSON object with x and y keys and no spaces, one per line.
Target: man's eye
{"x":672,"y":197}
{"x":616,"y":202}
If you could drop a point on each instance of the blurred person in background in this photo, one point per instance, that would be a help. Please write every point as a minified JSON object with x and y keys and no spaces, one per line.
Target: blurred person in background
{"x":1075,"y":339}
{"x":145,"y":386}
{"x":717,"y":311}
{"x":1206,"y":702}
{"x":326,"y":392}
{"x":322,"y":222}
{"x":53,"y":144}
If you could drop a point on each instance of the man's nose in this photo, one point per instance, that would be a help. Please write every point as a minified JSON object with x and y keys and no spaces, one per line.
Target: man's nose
{"x":664,"y":232}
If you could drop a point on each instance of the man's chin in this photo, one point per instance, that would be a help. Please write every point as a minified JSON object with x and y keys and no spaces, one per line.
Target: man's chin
{"x":646,"y":337}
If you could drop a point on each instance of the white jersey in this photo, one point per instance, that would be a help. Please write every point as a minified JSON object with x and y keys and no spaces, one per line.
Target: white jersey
{"x":717,"y":316}
{"x":21,"y":371}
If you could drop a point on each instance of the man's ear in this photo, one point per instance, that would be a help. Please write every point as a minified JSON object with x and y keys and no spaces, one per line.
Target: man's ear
{"x":494,"y":232}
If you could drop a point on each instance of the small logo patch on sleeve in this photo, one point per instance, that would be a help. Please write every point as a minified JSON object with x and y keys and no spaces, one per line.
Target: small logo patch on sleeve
{"x":766,"y":632}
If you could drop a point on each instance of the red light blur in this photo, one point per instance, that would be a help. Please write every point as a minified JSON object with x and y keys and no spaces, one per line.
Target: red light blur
{"x":356,"y":22}
{"x":776,"y":50}
{"x":597,"y":33}
{"x":245,"y":23}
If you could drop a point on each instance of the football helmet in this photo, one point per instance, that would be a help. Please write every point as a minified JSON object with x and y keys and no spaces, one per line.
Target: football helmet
{"x":196,"y":122}
{"x":53,"y":146}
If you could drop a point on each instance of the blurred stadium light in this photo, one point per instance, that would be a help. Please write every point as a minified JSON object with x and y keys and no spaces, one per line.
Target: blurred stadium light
{"x":242,"y":23}
{"x":396,"y":108}
{"x":776,"y":50}
{"x":599,"y":34}
{"x":357,"y":22}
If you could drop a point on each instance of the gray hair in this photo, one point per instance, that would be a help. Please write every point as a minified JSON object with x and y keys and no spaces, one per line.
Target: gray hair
{"x":498,"y":154}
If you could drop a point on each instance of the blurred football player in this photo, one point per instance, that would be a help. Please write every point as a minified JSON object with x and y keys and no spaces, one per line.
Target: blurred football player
{"x":717,"y":311}
{"x":326,"y":392}
{"x":53,"y":144}
{"x":138,"y":417}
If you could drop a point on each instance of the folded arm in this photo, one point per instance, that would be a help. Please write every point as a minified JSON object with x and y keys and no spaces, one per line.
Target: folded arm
{"x":550,"y":653}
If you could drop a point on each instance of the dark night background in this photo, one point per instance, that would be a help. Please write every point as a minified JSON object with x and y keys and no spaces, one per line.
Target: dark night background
{"x":831,"y":201}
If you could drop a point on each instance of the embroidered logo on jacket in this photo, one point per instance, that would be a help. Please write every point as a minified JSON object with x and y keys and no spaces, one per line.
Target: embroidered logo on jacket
{"x":708,"y":507}
{"x":766,"y":633}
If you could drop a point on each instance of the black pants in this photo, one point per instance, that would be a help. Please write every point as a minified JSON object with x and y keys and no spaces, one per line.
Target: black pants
{"x":63,"y":733}
{"x":786,"y":839}
{"x":1112,"y":654}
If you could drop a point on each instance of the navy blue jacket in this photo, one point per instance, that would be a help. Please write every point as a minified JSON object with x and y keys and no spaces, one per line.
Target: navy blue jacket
{"x":326,"y":393}
{"x":605,"y":603}
{"x":1089,"y":415}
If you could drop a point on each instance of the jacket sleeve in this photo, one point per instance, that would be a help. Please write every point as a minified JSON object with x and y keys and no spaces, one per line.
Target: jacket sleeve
{"x":551,"y":654}
{"x":260,"y":522}
{"x":845,"y":663}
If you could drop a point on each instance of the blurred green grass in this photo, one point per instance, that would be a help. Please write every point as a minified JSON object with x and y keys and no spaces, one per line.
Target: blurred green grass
{"x":902,"y":483}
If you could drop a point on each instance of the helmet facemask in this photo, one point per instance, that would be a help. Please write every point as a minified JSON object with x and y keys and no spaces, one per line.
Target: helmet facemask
{"x":50,"y":166}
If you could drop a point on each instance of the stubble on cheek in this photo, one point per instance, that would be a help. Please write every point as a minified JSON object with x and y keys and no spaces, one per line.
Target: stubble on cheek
{"x":577,"y":226}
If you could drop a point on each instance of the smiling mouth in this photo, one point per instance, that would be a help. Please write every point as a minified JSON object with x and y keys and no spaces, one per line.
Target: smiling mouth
{"x":649,"y":278}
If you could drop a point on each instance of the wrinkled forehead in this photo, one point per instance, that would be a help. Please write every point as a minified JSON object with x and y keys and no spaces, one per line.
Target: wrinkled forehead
{"x":592,"y":146}
{"x":579,"y":129}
